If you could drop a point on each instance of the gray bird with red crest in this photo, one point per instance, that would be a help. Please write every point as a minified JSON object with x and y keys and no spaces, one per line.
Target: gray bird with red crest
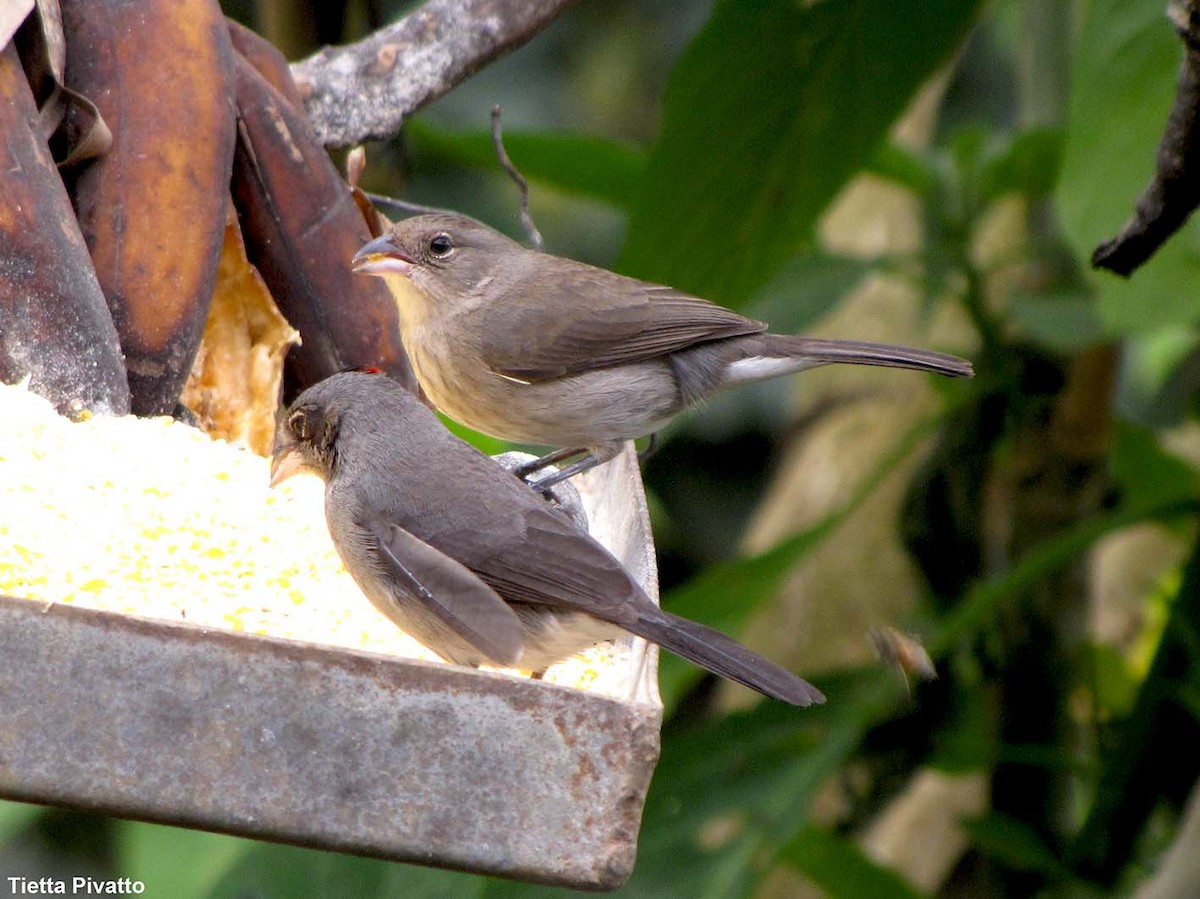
{"x":468,"y":559}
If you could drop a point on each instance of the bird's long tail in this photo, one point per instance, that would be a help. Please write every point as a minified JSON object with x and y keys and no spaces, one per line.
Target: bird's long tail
{"x":719,"y":654}
{"x":764,"y":356}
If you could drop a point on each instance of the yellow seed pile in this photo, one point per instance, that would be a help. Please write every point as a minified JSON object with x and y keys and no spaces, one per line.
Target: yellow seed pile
{"x":150,"y":517}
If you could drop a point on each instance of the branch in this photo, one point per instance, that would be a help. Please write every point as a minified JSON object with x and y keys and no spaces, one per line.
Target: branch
{"x":1174,"y":192}
{"x":531,"y":231}
{"x":366,"y":90}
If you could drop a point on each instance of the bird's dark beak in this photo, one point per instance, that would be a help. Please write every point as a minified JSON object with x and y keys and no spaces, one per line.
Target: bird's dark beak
{"x":285,"y":462}
{"x":382,"y":257}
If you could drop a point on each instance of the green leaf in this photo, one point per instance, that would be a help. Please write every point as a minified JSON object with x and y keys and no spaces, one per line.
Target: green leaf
{"x":841,"y":869}
{"x":729,"y":795}
{"x":1151,"y":362}
{"x":213,"y":866}
{"x":418,"y":882}
{"x":1145,"y":744}
{"x":1063,"y":320}
{"x":905,"y":168}
{"x":191,"y":861}
{"x":482,"y":442}
{"x":724,"y":595}
{"x":966,"y":154}
{"x":1028,"y":165}
{"x":1126,"y":63}
{"x":769,"y":112}
{"x":268,"y":871}
{"x":1014,"y":843}
{"x":806,"y":288}
{"x":977,"y":607}
{"x":966,"y":740}
{"x":1147,"y":473}
{"x":16,"y":816}
{"x":1161,"y":294}
{"x":596,"y":167}
{"x":1115,"y":685}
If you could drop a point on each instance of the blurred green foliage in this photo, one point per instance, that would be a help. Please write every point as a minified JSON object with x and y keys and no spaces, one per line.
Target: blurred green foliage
{"x":699,"y":145}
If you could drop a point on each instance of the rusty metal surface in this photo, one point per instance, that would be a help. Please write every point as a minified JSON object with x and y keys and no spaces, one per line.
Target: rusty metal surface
{"x":350,"y":751}
{"x":302,"y":744}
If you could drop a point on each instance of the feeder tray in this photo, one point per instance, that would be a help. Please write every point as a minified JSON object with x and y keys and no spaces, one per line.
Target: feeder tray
{"x":340,"y":749}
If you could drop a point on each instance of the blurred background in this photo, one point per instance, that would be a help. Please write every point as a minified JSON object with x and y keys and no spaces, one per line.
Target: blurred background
{"x":933,"y":173}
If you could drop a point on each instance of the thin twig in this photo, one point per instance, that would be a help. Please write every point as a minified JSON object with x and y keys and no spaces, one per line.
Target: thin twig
{"x":404,"y":205}
{"x":535,"y":236}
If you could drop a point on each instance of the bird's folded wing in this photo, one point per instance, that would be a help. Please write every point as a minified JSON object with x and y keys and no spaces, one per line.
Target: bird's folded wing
{"x":550,"y":562}
{"x":573,"y":325}
{"x":452,"y":592}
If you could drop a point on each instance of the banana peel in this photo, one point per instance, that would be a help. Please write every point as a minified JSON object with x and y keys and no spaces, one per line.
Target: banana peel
{"x":267,"y":60}
{"x":152,"y":213}
{"x":302,"y":228}
{"x":152,"y":209}
{"x":237,"y":377}
{"x":70,"y":122}
{"x":57,"y":330}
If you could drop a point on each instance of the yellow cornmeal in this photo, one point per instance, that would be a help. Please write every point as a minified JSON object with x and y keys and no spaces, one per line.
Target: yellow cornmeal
{"x":150,"y":517}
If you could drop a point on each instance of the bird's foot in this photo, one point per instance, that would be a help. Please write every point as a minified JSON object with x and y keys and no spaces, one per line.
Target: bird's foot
{"x":525,"y":469}
{"x":581,"y":465}
{"x":653,"y":445}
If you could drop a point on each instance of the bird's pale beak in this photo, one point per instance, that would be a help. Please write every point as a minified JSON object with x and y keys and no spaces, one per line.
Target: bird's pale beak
{"x":382,"y":257}
{"x":285,"y":462}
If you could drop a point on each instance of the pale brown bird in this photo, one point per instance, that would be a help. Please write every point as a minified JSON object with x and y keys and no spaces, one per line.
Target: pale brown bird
{"x":539,"y":349}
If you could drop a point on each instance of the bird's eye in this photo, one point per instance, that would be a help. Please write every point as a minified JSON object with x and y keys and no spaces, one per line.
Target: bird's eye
{"x":298,"y":425}
{"x":441,"y":245}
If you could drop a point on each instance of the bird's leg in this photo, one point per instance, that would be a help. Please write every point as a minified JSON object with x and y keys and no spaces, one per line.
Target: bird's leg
{"x":652,"y":447}
{"x":525,"y":469}
{"x":591,"y":460}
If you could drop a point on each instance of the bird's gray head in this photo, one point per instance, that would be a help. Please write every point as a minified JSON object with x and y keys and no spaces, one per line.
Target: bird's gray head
{"x":306,"y":435}
{"x":447,"y":256}
{"x":312,"y":435}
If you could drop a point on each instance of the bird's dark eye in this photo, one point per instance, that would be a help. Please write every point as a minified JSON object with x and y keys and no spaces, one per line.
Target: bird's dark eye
{"x":441,"y":245}
{"x":298,"y":425}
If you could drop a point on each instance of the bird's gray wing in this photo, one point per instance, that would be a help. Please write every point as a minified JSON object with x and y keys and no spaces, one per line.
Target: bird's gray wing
{"x":581,"y":318}
{"x":544,"y":559}
{"x":558,"y":570}
{"x":466,"y":604}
